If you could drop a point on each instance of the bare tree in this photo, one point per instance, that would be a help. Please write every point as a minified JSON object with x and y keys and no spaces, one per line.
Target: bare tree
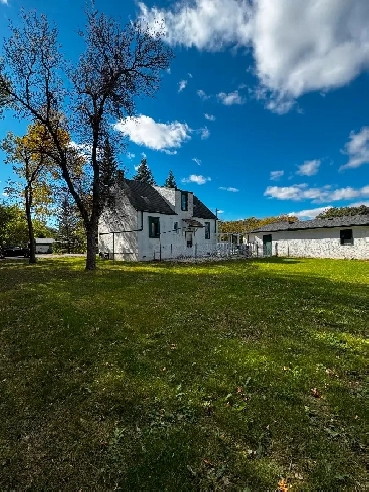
{"x":117,"y":65}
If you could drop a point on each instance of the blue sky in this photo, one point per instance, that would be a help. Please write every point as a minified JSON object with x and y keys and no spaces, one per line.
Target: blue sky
{"x":265,"y":109}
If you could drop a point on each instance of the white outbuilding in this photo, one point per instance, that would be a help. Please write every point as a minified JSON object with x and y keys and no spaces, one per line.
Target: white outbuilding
{"x":338,"y":237}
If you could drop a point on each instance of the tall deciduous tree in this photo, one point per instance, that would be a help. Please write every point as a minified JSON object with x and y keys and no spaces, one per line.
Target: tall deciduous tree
{"x":170,"y":182}
{"x":144,"y":173}
{"x":32,"y":166}
{"x":117,"y":65}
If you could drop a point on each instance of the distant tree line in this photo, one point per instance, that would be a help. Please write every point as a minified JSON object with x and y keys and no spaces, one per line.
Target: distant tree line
{"x":343,"y":212}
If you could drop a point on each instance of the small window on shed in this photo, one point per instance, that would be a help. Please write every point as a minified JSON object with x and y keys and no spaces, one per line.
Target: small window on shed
{"x":346,"y":237}
{"x":175,"y":227}
{"x":154,"y":227}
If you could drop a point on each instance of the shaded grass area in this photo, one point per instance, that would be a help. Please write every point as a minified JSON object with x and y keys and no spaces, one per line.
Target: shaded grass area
{"x":160,"y":377}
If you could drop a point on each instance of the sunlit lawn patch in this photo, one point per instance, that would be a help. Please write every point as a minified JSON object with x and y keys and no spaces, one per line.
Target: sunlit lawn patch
{"x":160,"y":377}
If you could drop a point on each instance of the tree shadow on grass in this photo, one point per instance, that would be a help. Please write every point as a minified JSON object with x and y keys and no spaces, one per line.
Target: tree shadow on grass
{"x":161,"y":377}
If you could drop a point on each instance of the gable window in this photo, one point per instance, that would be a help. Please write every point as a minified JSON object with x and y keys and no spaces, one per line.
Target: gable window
{"x":175,"y":227}
{"x":207,"y":230}
{"x":154,"y":227}
{"x":346,"y":237}
{"x":184,"y":201}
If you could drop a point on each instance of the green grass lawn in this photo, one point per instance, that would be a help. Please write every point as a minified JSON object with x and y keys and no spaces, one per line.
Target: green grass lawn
{"x":159,"y":377}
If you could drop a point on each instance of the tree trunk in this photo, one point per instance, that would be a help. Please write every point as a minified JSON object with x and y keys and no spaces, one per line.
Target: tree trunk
{"x":91,"y":247}
{"x":31,"y":234}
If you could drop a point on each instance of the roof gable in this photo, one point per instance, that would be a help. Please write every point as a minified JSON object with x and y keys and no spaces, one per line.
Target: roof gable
{"x":201,"y":211}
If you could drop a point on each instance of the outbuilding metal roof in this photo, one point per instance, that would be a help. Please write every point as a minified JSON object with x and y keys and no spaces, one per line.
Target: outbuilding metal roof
{"x":349,"y":221}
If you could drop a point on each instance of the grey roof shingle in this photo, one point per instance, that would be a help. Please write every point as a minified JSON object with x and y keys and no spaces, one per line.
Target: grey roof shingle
{"x":201,"y":211}
{"x":145,"y":197}
{"x":347,"y":221}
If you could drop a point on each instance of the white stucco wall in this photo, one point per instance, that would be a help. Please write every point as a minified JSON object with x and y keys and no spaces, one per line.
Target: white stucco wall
{"x":123,"y":218}
{"x":172,"y":243}
{"x":317,"y":243}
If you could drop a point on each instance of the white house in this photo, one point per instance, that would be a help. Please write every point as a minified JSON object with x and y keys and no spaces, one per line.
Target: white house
{"x":152,"y":222}
{"x":339,"y":237}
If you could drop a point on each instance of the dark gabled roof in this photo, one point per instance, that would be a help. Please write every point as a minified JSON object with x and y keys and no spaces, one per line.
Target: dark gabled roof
{"x":145,"y":197}
{"x":201,"y":211}
{"x":358,"y":220}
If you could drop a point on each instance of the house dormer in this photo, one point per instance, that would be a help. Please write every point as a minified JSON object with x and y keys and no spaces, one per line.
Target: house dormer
{"x":181,"y":201}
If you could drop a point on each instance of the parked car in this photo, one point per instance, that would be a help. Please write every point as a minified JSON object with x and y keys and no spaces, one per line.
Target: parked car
{"x":8,"y":251}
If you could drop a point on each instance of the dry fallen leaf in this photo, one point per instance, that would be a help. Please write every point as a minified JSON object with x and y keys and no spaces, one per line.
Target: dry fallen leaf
{"x":282,"y":485}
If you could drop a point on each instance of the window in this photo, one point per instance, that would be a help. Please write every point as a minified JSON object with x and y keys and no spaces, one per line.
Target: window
{"x":184,"y":201}
{"x":346,"y":237}
{"x":175,"y":227}
{"x":154,"y":227}
{"x":207,"y":230}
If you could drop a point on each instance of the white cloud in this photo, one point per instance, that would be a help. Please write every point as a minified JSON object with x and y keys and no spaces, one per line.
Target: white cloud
{"x":312,"y":213}
{"x":143,"y":130}
{"x":198,"y":179}
{"x":202,"y":94}
{"x":143,"y":155}
{"x":209,"y":117}
{"x":316,"y":195}
{"x":309,"y":214}
{"x":357,"y":148}
{"x":198,"y":161}
{"x":298,"y":45}
{"x":220,"y":212}
{"x":275,"y":175}
{"x":182,"y":85}
{"x":309,"y":168}
{"x":5,"y":2}
{"x":169,"y":71}
{"x":231,"y":98}
{"x":130,"y":155}
{"x":232,"y":190}
{"x":190,"y":75}
{"x":205,"y":133}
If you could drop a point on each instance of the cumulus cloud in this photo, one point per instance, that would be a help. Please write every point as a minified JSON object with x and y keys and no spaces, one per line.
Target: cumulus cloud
{"x":309,"y":168}
{"x":298,"y":45}
{"x":231,"y":98}
{"x":143,"y":130}
{"x":182,"y":85}
{"x":198,"y":161}
{"x":198,"y":179}
{"x":275,"y":175}
{"x":309,"y":214}
{"x":316,"y":195}
{"x":357,"y":149}
{"x":5,"y":2}
{"x":202,"y":95}
{"x":209,"y":117}
{"x":232,"y":190}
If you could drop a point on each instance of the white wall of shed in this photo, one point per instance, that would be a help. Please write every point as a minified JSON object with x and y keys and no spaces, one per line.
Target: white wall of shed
{"x":317,"y":243}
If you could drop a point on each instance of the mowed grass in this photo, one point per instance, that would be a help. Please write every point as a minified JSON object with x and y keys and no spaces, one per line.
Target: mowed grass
{"x":183,"y":377}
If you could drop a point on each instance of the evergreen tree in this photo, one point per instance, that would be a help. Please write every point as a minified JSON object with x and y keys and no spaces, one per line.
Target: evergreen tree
{"x":170,"y":182}
{"x":144,"y":173}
